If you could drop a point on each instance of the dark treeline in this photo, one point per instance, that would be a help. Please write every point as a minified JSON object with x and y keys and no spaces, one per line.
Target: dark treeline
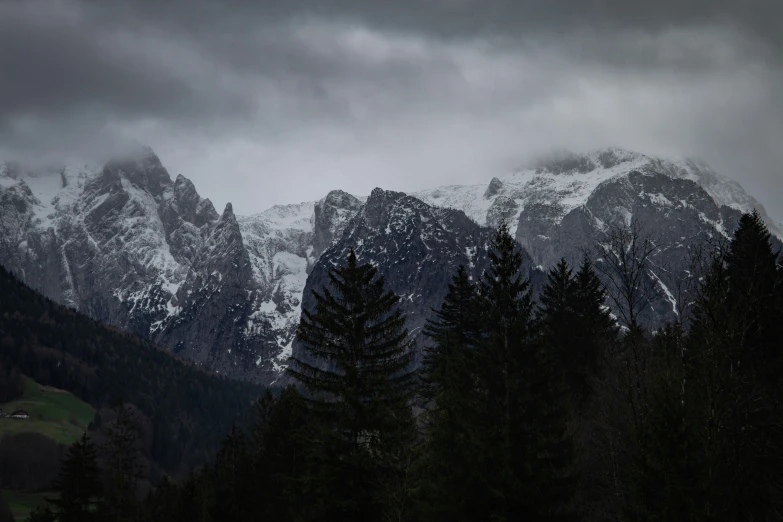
{"x":11,"y":385}
{"x":186,"y":410}
{"x":521,"y":411}
{"x":29,"y":461}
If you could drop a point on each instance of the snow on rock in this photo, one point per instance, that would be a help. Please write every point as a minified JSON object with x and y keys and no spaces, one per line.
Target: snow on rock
{"x":128,"y":245}
{"x":565,"y":181}
{"x":566,"y":204}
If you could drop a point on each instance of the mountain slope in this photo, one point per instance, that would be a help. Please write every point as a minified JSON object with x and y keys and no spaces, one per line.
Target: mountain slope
{"x":564,"y":182}
{"x":129,"y":246}
{"x":416,"y":247}
{"x":186,"y":410}
{"x":569,"y":203}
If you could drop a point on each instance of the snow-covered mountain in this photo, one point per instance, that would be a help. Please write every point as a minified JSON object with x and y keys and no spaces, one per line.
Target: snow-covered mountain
{"x":128,"y":245}
{"x":564,"y":182}
{"x":417,"y":248}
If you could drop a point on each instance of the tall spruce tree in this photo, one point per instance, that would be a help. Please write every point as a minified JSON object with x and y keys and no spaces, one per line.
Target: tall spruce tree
{"x":5,"y":511}
{"x":455,"y":330}
{"x":664,"y":472}
{"x":360,"y":377}
{"x":283,"y":435}
{"x":523,"y":431}
{"x":78,"y":484}
{"x":733,"y":370}
{"x":232,"y":478}
{"x":594,"y":330}
{"x":576,"y":324}
{"x":196,"y":497}
{"x":558,"y":317}
{"x":161,"y":503}
{"x":752,"y":268}
{"x":447,"y":385}
{"x":124,"y":467}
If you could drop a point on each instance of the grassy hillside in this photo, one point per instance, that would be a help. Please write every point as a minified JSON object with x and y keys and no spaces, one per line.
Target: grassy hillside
{"x":22,"y":503}
{"x":54,"y":413}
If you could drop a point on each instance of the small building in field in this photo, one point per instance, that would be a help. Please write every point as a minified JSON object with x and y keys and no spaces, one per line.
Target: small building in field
{"x":20,"y":414}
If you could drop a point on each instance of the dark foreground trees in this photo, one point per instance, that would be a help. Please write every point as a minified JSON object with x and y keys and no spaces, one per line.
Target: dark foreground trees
{"x":525,"y":411}
{"x":359,"y":379}
{"x":78,"y":485}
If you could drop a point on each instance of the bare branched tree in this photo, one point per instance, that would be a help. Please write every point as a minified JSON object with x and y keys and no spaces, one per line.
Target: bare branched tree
{"x":623,"y":260}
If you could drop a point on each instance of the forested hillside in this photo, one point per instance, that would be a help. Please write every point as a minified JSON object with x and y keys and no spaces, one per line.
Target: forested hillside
{"x":186,"y":410}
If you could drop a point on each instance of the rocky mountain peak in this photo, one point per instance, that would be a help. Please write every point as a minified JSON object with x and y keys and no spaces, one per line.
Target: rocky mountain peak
{"x":380,"y":198}
{"x":565,"y":163}
{"x":126,"y":244}
{"x":144,"y":170}
{"x":494,"y":188}
{"x":340,"y":199}
{"x":387,"y":208}
{"x":190,"y":206}
{"x":330,"y":215}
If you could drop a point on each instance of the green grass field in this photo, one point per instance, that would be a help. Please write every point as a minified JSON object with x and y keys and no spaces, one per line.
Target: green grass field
{"x":54,"y":413}
{"x":22,"y":503}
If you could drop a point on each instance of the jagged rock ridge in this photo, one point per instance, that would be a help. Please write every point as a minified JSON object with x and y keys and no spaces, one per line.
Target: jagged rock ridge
{"x":128,"y":245}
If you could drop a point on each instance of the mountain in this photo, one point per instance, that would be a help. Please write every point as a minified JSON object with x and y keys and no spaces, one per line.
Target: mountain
{"x":128,"y":245}
{"x":415,"y":246}
{"x":131,"y":247}
{"x":565,"y":182}
{"x":567,"y":203}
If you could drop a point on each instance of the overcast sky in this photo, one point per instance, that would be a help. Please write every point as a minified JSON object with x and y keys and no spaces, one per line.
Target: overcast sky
{"x":278,"y":101}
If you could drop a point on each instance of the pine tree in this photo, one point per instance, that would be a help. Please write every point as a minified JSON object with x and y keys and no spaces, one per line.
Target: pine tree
{"x":5,"y":511}
{"x":161,"y":504}
{"x":231,"y":477}
{"x":752,"y":269}
{"x":448,"y":386}
{"x":523,"y":429}
{"x":594,"y":330}
{"x":558,"y":318}
{"x":733,"y":361}
{"x":123,"y":466}
{"x":283,"y":433}
{"x":501,"y":364}
{"x":196,"y":497}
{"x":575,"y":324}
{"x":78,"y":484}
{"x":360,"y":380}
{"x":455,"y":330}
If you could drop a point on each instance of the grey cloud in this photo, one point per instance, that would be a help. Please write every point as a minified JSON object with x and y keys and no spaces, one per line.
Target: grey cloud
{"x":264,"y":102}
{"x":480,"y":18}
{"x":64,"y":61}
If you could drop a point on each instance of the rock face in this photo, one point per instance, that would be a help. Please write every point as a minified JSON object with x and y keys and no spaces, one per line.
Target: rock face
{"x":131,"y":247}
{"x":568,"y":203}
{"x":416,"y":247}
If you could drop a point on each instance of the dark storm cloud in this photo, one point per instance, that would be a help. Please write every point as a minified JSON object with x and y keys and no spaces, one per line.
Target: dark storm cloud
{"x":262,"y":102}
{"x":64,"y":55}
{"x":55,"y":60}
{"x":454,"y":19}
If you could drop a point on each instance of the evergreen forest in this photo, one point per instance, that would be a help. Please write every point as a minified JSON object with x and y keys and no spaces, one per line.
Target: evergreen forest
{"x":525,"y":407}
